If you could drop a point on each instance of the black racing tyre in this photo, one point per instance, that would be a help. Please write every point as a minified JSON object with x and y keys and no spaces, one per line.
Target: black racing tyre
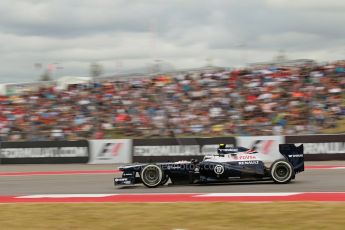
{"x":151,"y":175}
{"x":282,"y":172}
{"x":165,"y":179}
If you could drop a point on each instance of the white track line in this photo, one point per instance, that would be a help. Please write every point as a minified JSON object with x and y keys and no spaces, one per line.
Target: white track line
{"x":248,"y":194}
{"x":66,"y":195}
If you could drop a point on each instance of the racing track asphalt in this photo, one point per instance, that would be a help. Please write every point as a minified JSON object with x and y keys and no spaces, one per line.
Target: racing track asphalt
{"x":313,"y":180}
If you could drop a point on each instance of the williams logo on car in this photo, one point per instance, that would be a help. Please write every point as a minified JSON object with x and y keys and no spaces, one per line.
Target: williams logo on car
{"x":219,"y":169}
{"x":110,"y":150}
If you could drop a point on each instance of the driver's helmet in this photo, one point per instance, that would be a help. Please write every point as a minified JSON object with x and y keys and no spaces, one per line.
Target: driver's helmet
{"x":220,"y":147}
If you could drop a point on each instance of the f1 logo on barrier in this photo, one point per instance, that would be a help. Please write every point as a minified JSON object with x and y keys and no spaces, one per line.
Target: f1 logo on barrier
{"x":263,"y":146}
{"x":219,"y":169}
{"x":110,"y":148}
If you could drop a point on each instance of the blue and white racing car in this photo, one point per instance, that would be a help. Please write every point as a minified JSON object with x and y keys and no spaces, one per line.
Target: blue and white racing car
{"x":227,"y":165}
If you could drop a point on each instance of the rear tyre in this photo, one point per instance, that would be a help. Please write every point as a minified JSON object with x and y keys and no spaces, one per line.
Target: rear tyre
{"x":151,"y":175}
{"x":282,"y":172}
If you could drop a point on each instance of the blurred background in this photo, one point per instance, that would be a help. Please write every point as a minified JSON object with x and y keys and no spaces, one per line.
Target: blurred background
{"x":74,"y":70}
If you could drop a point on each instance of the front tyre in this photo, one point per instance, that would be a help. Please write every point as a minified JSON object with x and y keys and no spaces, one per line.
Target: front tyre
{"x":151,"y":175}
{"x":282,"y":172}
{"x":165,"y":179}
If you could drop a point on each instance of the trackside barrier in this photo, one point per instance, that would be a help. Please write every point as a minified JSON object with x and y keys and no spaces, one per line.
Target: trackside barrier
{"x":320,"y":147}
{"x":41,"y":152}
{"x":109,"y":151}
{"x":176,"y":149}
{"x":316,"y":147}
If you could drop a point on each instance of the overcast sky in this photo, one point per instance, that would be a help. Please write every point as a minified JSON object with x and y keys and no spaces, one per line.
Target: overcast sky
{"x":130,"y":34}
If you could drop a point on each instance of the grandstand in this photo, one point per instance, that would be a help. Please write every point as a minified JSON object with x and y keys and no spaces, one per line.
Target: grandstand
{"x":298,"y":98}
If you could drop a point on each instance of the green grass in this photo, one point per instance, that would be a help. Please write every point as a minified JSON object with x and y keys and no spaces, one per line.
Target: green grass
{"x":160,"y":216}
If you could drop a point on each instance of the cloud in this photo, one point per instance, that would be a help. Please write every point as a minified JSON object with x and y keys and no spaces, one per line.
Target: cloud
{"x":302,"y":5}
{"x":134,"y":33}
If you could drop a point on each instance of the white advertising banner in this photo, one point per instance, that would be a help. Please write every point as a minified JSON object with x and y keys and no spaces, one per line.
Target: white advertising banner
{"x":324,"y":148}
{"x":167,"y":150}
{"x":267,"y":145}
{"x":110,"y":151}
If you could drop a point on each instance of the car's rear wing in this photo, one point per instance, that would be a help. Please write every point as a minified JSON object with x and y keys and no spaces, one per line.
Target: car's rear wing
{"x":294,"y":154}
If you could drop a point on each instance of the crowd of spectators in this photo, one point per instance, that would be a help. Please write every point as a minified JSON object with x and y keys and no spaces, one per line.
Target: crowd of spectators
{"x":254,"y":101}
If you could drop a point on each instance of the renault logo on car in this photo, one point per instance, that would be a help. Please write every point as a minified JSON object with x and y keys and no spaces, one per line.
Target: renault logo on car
{"x":219,"y":169}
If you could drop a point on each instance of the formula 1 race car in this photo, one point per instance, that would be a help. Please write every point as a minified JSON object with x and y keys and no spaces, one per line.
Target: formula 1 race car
{"x":227,"y":165}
